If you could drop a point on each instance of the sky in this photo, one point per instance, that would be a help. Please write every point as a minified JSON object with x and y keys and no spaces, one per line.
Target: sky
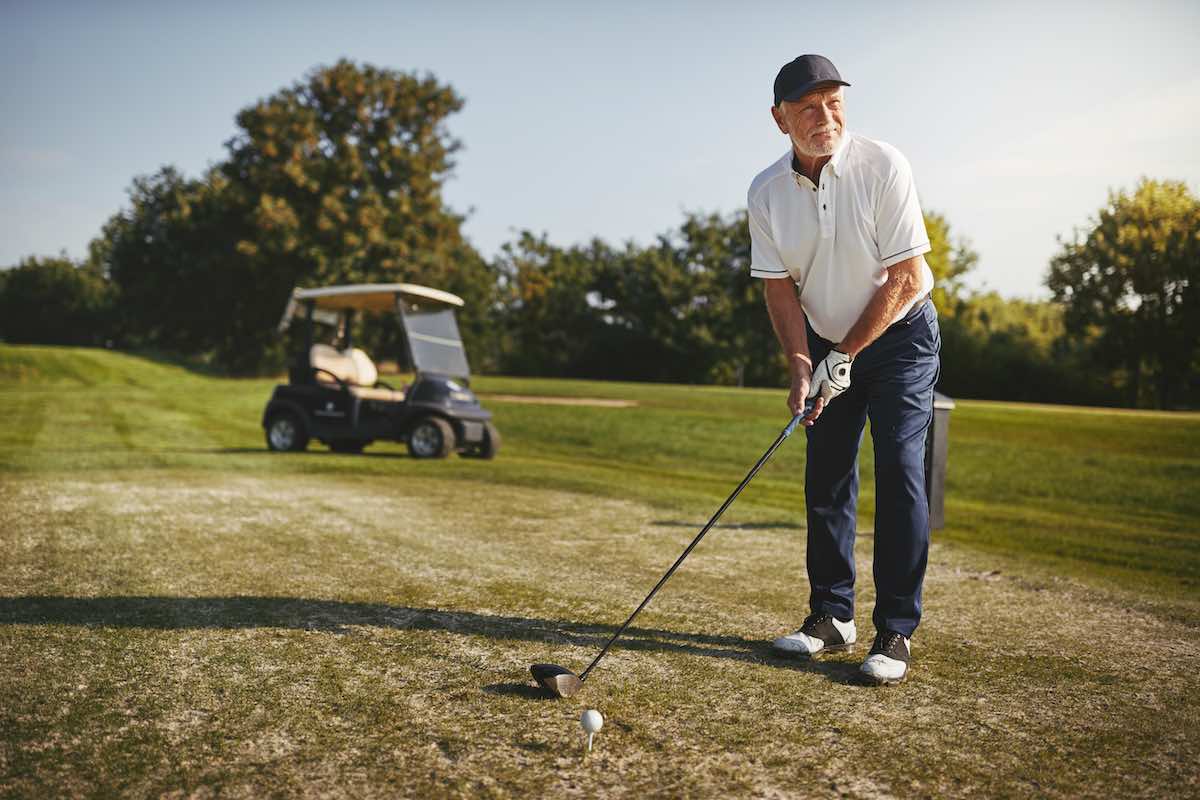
{"x":615,"y":119}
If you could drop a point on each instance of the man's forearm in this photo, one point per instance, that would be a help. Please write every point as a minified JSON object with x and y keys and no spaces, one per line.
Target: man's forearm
{"x":787,"y":318}
{"x":902,"y":287}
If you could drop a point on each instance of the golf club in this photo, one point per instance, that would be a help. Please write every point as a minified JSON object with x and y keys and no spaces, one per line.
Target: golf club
{"x":561,"y":681}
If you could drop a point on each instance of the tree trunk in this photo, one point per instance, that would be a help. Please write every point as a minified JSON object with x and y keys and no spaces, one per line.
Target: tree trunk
{"x":1135,"y":379}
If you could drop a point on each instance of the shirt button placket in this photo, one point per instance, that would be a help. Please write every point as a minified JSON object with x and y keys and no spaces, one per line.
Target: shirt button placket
{"x":826,"y":219}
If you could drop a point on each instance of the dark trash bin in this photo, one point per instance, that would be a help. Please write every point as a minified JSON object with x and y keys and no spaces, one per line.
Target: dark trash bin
{"x":937,"y":442}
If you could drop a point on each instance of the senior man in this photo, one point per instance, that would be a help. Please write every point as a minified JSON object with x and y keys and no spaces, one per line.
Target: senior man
{"x":837,"y":233}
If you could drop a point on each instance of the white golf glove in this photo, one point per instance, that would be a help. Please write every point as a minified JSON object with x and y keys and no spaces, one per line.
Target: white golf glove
{"x":831,"y":377}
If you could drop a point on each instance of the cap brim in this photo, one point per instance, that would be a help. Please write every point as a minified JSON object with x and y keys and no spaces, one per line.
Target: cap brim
{"x":796,"y":94}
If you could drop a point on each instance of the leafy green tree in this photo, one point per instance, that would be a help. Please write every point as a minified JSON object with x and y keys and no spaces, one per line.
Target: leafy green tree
{"x":1012,"y":349}
{"x":551,"y":317}
{"x":1038,"y":324}
{"x":341,"y":177}
{"x":675,"y":310}
{"x":55,"y":301}
{"x":1133,"y":281}
{"x":655,"y":323}
{"x":715,"y":251}
{"x":184,"y":287}
{"x":949,"y":260}
{"x":336,"y":179}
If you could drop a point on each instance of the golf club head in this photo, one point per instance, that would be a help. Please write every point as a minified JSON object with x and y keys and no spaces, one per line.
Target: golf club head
{"x":560,"y":681}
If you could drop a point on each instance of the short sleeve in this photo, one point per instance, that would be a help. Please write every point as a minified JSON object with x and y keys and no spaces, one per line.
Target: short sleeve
{"x":765,"y":261}
{"x":899,"y":224}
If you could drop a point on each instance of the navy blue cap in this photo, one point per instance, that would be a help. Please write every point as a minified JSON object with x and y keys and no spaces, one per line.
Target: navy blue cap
{"x":801,"y":76}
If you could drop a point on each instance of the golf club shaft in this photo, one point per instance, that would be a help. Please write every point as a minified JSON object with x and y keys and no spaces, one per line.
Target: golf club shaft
{"x":791,"y":426}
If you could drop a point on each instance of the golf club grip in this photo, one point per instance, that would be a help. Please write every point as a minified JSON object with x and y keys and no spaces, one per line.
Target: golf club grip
{"x":791,"y":426}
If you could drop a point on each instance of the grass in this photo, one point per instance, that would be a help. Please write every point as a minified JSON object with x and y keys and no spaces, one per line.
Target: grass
{"x":182,"y":613}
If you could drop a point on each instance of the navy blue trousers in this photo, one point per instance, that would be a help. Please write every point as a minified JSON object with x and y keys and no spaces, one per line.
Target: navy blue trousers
{"x":891,"y":383}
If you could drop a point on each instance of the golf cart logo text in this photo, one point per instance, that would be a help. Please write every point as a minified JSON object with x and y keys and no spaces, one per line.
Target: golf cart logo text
{"x":329,"y":411}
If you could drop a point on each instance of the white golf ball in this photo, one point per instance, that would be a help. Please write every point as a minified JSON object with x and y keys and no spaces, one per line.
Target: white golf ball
{"x":591,"y":721}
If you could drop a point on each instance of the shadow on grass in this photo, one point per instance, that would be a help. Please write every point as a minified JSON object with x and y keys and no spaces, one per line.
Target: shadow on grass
{"x":733,"y":526}
{"x":526,"y":690}
{"x":333,"y":616}
{"x":315,"y":450}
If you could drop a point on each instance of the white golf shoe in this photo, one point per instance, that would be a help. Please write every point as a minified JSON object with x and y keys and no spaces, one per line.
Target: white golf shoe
{"x":887,"y":663}
{"x":820,"y":632}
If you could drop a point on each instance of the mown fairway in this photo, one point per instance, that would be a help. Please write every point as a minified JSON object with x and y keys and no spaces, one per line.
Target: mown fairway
{"x":183,"y":613}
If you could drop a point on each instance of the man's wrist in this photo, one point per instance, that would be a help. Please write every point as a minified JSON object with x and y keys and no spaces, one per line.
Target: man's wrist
{"x":800,"y":364}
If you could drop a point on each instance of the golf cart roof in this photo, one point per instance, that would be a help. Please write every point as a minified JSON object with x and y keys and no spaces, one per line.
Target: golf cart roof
{"x":375,"y":296}
{"x":329,"y":301}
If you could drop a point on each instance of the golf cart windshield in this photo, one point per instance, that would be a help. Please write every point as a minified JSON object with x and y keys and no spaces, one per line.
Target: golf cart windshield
{"x":434,"y":342}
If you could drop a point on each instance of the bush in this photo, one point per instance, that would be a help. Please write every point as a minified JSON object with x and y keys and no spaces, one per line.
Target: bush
{"x":55,"y":301}
{"x":1009,"y":349}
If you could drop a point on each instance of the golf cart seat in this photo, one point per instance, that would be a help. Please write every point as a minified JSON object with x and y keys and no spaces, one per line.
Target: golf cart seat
{"x":354,"y":369}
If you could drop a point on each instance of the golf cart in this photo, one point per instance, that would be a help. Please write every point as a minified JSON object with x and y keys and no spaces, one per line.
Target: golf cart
{"x":334,"y":394}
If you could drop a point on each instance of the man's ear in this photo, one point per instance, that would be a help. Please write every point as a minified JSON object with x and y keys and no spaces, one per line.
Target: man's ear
{"x":777,"y":115}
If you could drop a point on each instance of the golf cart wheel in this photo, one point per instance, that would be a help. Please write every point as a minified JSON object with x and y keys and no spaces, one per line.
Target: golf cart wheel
{"x":347,"y":446}
{"x":286,"y":434}
{"x":432,"y":437}
{"x":488,"y":447}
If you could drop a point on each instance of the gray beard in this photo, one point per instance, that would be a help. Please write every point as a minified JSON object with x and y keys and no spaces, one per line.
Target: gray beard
{"x":822,"y":151}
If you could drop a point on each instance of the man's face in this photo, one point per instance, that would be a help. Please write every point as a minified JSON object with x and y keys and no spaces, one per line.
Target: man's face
{"x":815,"y":123}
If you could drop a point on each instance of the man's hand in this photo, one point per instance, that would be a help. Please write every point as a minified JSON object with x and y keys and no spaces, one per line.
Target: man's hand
{"x":801,"y":378}
{"x":830,"y":378}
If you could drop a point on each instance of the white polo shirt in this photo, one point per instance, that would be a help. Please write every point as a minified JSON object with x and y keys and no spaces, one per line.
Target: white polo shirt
{"x":836,"y":240}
